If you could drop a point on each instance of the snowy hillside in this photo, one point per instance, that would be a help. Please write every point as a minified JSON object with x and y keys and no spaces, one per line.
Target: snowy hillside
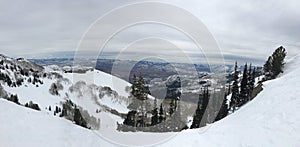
{"x":92,"y":91}
{"x":270,"y":120}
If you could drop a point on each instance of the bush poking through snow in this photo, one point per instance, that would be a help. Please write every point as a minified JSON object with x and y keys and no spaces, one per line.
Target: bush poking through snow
{"x":14,"y":98}
{"x":81,"y":117}
{"x":33,"y":106}
{"x":55,"y":87}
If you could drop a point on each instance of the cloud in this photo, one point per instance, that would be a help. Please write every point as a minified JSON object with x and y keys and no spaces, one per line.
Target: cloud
{"x":251,"y":29}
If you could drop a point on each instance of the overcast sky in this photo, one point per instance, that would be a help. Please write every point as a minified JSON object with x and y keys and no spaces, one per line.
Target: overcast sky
{"x":249,"y":29}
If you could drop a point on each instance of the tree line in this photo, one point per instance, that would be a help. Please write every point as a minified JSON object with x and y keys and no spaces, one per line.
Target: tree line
{"x":242,"y":92}
{"x":153,"y":117}
{"x":147,"y":116}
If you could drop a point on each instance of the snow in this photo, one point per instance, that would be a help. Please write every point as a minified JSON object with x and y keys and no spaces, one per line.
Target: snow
{"x":270,"y":120}
{"x":26,"y":127}
{"x":101,"y":79}
{"x":116,"y":105}
{"x":39,"y":95}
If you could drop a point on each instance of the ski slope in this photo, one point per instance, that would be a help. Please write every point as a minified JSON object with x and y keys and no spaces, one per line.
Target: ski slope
{"x":270,"y":120}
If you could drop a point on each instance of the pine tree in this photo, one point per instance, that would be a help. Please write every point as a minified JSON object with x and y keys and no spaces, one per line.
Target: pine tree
{"x":176,"y":123}
{"x":141,"y":90}
{"x":135,"y":95}
{"x":171,"y":107}
{"x":275,"y":63}
{"x":244,"y":87}
{"x":278,"y":61}
{"x":130,"y":119}
{"x":78,"y":118}
{"x":56,"y":109}
{"x":205,"y":99}
{"x":161,"y":117}
{"x":223,"y":110}
{"x":229,"y":89}
{"x":133,"y":87}
{"x":154,"y":118}
{"x":139,"y":104}
{"x":251,"y":82}
{"x":201,"y":107}
{"x":14,"y":98}
{"x":235,"y":90}
{"x":268,"y":66}
{"x":197,"y":116}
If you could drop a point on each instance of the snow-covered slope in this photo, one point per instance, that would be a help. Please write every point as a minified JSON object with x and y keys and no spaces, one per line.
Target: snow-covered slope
{"x":93,"y":91}
{"x":22,"y":127}
{"x":270,"y":120}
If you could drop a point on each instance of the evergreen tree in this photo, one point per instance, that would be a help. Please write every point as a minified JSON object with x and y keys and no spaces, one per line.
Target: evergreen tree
{"x":141,"y":90}
{"x":244,"y":87}
{"x":229,"y":89}
{"x":251,"y":82}
{"x":134,"y":86}
{"x":205,"y":99}
{"x":130,"y":119}
{"x":14,"y":98}
{"x":139,"y":104}
{"x":172,"y":107}
{"x":176,"y":123}
{"x":223,"y":110}
{"x":154,"y":118}
{"x":56,"y":109}
{"x":161,"y":117}
{"x":197,"y":116}
{"x":78,"y":118}
{"x":250,"y":74}
{"x":275,"y":63}
{"x":135,"y":95}
{"x":268,"y":66}
{"x":235,"y":90}
{"x":173,"y":94}
{"x":278,"y":61}
{"x":201,"y":107}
